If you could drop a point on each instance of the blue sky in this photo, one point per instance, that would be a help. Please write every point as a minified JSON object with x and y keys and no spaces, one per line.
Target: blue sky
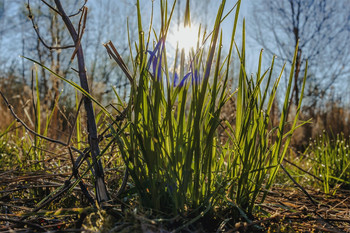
{"x":114,"y":15}
{"x":125,"y":9}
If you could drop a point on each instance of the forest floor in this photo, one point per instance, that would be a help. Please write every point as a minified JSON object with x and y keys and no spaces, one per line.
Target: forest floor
{"x":286,"y":209}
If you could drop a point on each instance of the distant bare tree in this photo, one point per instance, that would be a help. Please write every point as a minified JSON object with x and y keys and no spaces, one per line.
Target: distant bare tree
{"x":323,"y":28}
{"x":10,"y":25}
{"x":52,"y":34}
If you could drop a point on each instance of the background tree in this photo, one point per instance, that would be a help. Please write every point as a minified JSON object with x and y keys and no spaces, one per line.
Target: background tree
{"x":17,"y":37}
{"x":323,"y":30}
{"x":11,"y":22}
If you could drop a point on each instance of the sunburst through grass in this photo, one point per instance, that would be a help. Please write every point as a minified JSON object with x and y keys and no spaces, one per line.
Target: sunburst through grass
{"x":184,"y":37}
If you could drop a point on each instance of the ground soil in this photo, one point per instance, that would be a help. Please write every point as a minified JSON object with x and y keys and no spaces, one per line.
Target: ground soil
{"x":286,"y":209}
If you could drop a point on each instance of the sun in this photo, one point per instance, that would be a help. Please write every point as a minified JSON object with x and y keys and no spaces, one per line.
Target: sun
{"x":185,"y":37}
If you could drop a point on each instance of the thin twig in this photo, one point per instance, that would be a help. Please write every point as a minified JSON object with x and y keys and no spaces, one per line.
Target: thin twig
{"x":36,"y":29}
{"x":75,"y":122}
{"x":301,"y":169}
{"x":307,"y":194}
{"x":318,"y":219}
{"x":281,"y":217}
{"x":299,"y":186}
{"x":112,"y":51}
{"x":75,"y":164}
{"x":36,"y":226}
{"x":66,"y":187}
{"x":10,"y":107}
{"x":51,"y":7}
{"x":80,"y":10}
{"x":77,"y":176}
{"x":80,"y":32}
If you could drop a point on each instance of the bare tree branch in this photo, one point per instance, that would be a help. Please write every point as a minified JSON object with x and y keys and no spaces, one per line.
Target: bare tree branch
{"x":80,"y":33}
{"x":36,"y":29}
{"x":51,"y":7}
{"x":80,"y":10}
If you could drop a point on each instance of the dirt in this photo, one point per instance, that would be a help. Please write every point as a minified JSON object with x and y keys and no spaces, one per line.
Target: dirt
{"x":286,"y":209}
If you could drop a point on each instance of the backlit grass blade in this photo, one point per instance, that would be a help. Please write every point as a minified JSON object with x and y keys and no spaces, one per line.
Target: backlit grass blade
{"x":187,"y":21}
{"x":75,"y":85}
{"x":284,"y":114}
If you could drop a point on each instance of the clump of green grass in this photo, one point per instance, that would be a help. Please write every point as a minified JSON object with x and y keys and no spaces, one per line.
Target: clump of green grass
{"x":258,"y":147}
{"x":172,"y":148}
{"x":331,"y":161}
{"x":9,"y":154}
